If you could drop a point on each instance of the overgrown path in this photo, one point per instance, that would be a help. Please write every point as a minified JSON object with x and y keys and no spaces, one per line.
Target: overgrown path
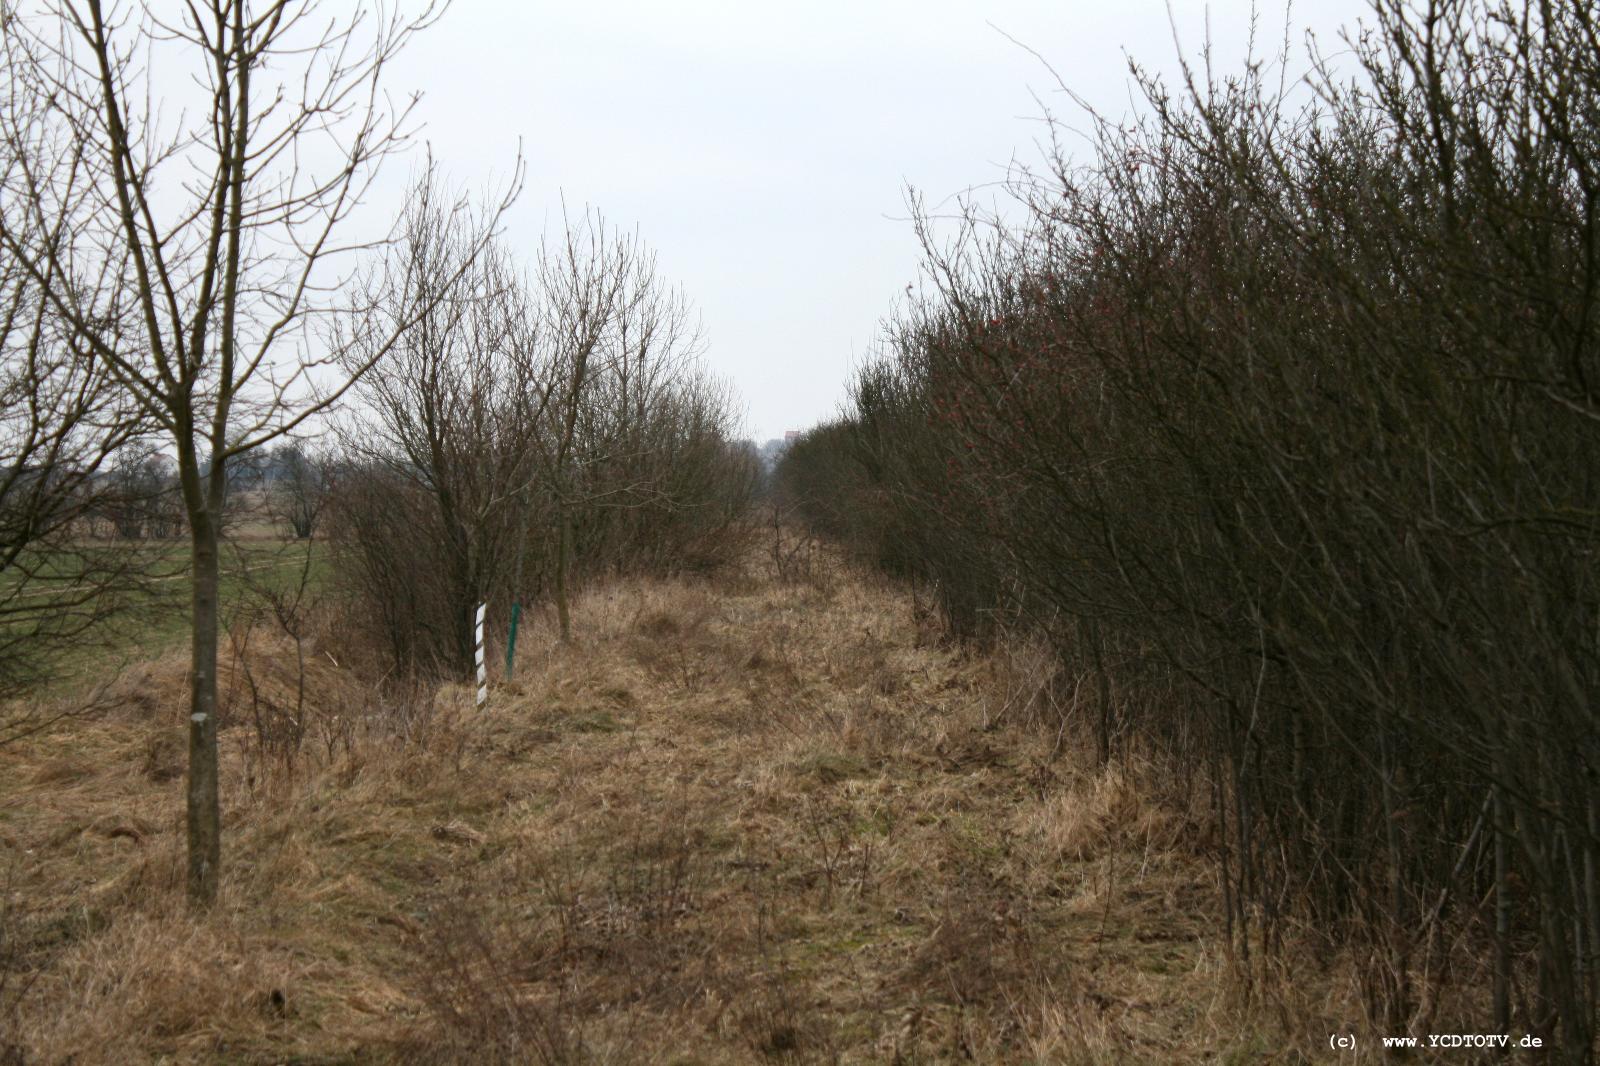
{"x":740,"y":818}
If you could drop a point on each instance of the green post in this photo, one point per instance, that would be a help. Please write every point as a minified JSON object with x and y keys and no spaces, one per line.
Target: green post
{"x":511,"y":641}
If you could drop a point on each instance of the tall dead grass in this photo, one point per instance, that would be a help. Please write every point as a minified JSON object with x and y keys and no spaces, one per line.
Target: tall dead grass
{"x":739,"y":819}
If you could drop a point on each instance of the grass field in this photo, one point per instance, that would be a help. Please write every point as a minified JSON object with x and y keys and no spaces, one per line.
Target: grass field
{"x":736,"y":821}
{"x":157,"y":618}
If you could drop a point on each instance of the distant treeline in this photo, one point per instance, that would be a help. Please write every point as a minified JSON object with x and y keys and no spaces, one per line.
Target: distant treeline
{"x":1279,"y":416}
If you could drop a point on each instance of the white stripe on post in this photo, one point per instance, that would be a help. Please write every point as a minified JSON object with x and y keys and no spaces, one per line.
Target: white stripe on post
{"x":483,"y":674}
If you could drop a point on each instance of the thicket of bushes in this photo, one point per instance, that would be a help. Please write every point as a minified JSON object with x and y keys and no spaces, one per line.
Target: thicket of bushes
{"x":1290,"y":413}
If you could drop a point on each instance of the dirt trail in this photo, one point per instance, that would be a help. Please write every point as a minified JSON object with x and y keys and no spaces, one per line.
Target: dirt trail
{"x":738,"y":820}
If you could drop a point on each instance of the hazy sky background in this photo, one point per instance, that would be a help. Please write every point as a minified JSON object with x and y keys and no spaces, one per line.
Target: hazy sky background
{"x":764,"y":150}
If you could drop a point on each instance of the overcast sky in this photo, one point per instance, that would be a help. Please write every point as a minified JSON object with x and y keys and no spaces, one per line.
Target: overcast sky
{"x":764,"y":150}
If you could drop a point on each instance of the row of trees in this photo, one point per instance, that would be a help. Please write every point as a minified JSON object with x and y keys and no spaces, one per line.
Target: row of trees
{"x":1281,"y":420}
{"x":527,"y":429}
{"x":187,"y":269}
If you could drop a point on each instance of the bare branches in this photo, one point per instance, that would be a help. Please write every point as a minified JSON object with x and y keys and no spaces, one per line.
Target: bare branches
{"x":1291,"y":412}
{"x":199,"y":262}
{"x":525,"y":423}
{"x":61,"y":420}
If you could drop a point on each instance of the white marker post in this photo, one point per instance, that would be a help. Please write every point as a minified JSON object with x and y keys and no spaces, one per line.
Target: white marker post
{"x":483,"y":673}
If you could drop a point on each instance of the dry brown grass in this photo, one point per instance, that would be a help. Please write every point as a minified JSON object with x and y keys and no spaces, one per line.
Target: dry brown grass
{"x":734,"y":821}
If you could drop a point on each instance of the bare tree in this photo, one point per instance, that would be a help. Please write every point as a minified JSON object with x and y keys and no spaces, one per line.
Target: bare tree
{"x":624,"y":343}
{"x":61,"y":419}
{"x":219,"y":235}
{"x":584,"y":286}
{"x":138,"y":496}
{"x":59,"y":424}
{"x":300,"y":487}
{"x":446,"y":432}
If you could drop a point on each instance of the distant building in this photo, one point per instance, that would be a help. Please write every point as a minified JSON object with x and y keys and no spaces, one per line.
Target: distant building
{"x":790,"y":436}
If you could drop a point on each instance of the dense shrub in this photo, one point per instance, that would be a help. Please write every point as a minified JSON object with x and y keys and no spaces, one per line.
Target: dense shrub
{"x":1295,"y":409}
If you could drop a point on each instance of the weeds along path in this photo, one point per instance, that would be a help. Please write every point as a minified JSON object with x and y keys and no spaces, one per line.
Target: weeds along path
{"x":738,"y":819}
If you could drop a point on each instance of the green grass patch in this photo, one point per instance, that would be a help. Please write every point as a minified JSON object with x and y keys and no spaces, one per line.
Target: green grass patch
{"x":152,"y":611}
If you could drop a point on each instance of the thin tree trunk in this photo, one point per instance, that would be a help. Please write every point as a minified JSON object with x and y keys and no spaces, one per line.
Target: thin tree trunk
{"x":563,"y":558}
{"x":516,"y":582}
{"x":204,"y":811}
{"x":1502,"y":919}
{"x":1103,"y":685}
